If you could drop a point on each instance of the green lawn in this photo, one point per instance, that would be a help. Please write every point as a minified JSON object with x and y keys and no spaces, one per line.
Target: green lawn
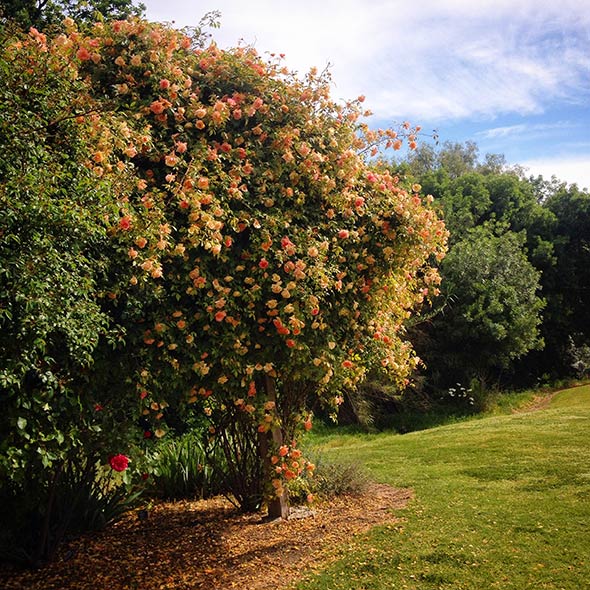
{"x":501,"y":502}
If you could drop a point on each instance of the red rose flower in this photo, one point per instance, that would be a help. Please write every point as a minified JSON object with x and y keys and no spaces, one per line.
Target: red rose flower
{"x":83,"y":54}
{"x":125,"y":223}
{"x":119,"y":462}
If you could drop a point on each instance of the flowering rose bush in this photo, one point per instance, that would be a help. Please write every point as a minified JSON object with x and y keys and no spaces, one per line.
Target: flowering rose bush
{"x":267,"y":258}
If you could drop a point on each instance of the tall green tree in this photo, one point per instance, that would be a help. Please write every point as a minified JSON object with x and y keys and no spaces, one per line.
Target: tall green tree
{"x":552,"y":220}
{"x":42,"y":14}
{"x":452,"y":157}
{"x":566,"y":284}
{"x":491,"y":314}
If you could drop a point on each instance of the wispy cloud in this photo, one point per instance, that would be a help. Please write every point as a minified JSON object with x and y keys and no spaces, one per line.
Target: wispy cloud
{"x":502,"y":132}
{"x":529,"y":130}
{"x":482,"y":63}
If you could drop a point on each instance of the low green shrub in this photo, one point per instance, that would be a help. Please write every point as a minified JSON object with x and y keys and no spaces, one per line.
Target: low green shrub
{"x":96,"y":498}
{"x":184,"y":468}
{"x":331,"y":478}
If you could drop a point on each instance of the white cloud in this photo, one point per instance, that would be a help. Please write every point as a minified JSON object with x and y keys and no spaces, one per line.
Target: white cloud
{"x":481,"y":64}
{"x":571,"y":169}
{"x":523,"y":130}
{"x":505,"y":131}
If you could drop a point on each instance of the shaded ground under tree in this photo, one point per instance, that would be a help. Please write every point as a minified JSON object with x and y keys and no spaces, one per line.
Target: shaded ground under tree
{"x":209,"y":545}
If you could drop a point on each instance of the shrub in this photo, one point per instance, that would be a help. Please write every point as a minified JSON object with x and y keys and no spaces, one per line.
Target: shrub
{"x":238,"y":462}
{"x":184,"y":468}
{"x":190,"y":467}
{"x":331,"y":478}
{"x":212,"y":231}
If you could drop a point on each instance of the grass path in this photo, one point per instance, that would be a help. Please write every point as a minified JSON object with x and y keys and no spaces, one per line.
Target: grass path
{"x":501,"y":502}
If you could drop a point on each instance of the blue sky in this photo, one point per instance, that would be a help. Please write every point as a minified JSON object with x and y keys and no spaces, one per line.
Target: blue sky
{"x":511,"y":75}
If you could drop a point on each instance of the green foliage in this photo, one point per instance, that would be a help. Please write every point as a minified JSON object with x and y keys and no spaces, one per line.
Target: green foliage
{"x":497,"y":199}
{"x":466,"y":203}
{"x":384,"y":408}
{"x":36,"y":515}
{"x":188,"y":466}
{"x":91,"y":495}
{"x":331,"y":477}
{"x":56,"y":265}
{"x":183,"y":467}
{"x":492,"y":314}
{"x":43,"y":14}
{"x":551,"y":217}
{"x":63,"y":384}
{"x":455,"y":159}
{"x":565,"y":285}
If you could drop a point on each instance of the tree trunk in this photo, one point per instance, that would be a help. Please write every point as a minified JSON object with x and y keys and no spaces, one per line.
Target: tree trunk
{"x":278,"y":506}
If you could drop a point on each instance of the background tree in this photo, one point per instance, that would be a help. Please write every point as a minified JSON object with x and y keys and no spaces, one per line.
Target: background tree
{"x":492,"y":310}
{"x":42,"y":14}
{"x":566,"y":284}
{"x":500,"y":198}
{"x":454,"y":158}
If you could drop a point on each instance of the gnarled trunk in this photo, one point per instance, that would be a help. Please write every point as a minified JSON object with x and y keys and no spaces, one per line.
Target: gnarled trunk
{"x":278,"y":506}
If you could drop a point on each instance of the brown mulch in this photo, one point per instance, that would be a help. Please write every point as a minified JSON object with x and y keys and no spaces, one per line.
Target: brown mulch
{"x":208,"y":545}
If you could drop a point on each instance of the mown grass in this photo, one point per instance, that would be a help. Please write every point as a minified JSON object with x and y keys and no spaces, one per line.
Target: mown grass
{"x":501,"y":502}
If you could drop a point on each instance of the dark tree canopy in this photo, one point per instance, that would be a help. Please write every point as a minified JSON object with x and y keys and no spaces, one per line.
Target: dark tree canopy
{"x":492,"y":315}
{"x":567,"y":282}
{"x":45,"y":13}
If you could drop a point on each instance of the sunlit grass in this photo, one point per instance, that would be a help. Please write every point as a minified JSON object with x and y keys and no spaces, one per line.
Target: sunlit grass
{"x":501,"y":502}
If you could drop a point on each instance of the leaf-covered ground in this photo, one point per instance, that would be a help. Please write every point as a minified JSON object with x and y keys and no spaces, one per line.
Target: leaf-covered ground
{"x":209,"y":545}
